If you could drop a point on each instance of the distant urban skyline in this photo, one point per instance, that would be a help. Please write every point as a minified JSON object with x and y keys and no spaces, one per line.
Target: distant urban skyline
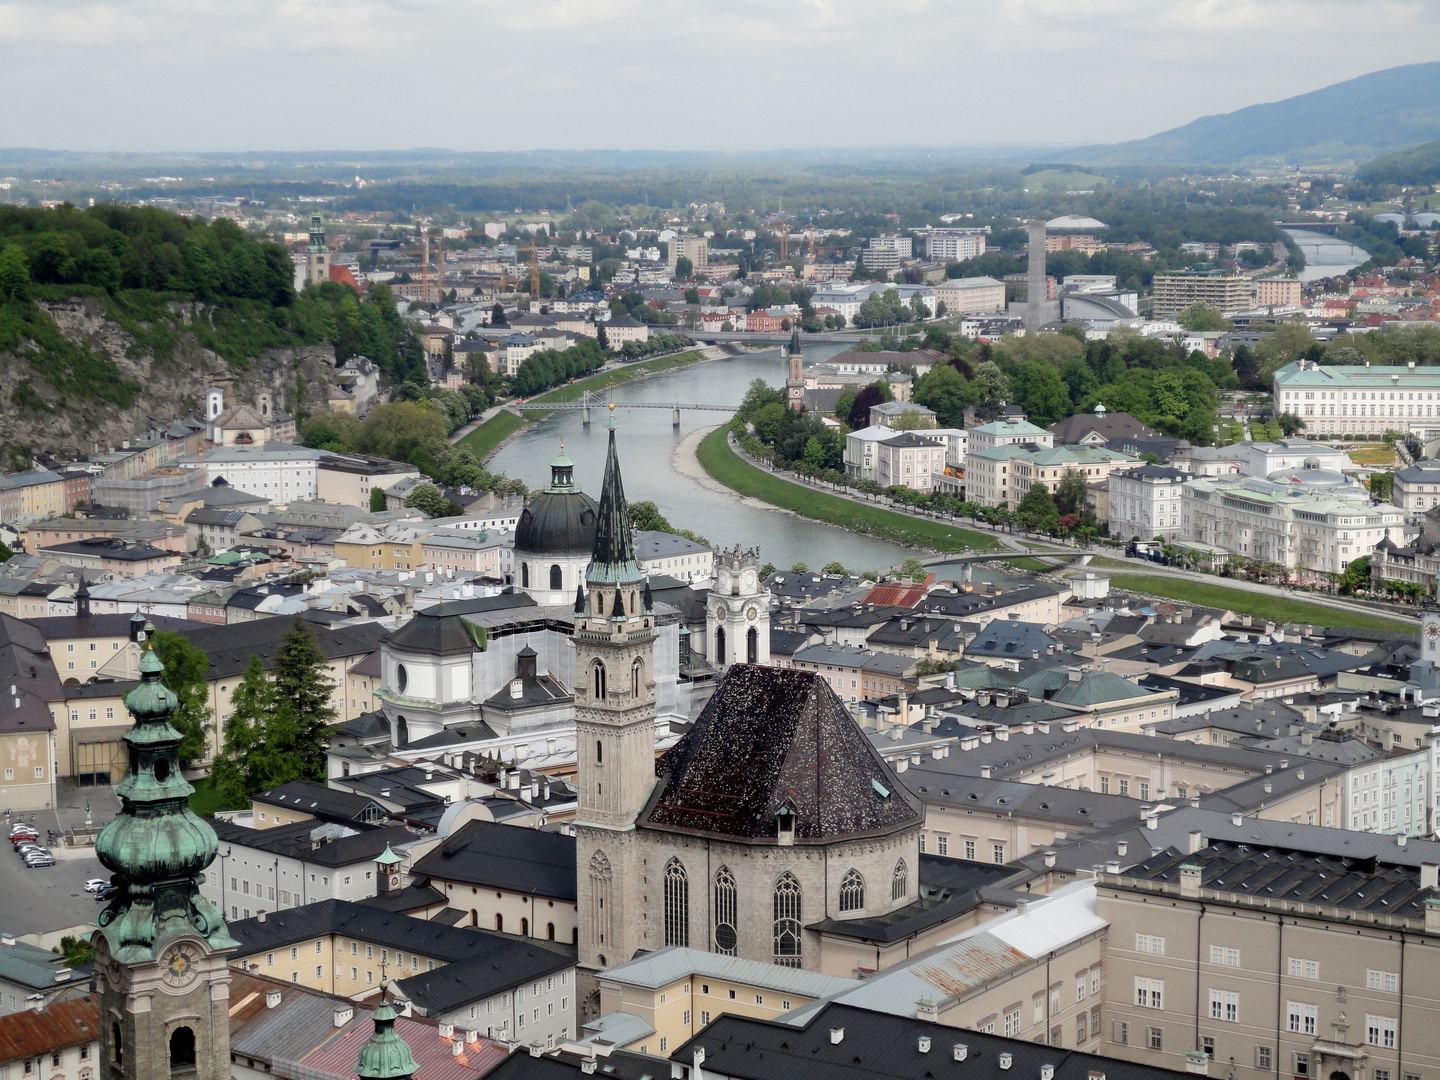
{"x":177,"y":75}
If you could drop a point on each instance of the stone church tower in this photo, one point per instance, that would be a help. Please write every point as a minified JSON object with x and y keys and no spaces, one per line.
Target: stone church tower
{"x":614,"y":727}
{"x":737,"y":615}
{"x":161,"y":947}
{"x":317,"y":255}
{"x":795,"y":375}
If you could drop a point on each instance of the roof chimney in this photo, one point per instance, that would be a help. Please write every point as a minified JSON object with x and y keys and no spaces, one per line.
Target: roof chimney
{"x":1190,"y":876}
{"x":1430,"y":875}
{"x":924,"y":1044}
{"x":1237,"y":819}
{"x":960,"y":1051}
{"x":343,"y":1014}
{"x":837,"y":1036}
{"x":272,"y":998}
{"x":1005,"y":1060}
{"x":1197,"y":840}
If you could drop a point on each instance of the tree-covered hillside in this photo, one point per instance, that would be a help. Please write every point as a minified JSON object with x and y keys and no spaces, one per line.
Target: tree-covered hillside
{"x":154,"y":272}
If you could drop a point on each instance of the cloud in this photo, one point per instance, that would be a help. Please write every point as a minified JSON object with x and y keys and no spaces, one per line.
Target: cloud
{"x":666,"y":74}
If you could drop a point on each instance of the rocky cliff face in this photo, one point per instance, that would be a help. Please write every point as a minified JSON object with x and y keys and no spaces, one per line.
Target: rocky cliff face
{"x":170,"y":389}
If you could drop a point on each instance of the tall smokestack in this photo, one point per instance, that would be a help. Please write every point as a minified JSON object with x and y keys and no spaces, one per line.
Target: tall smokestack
{"x":1035,"y":287}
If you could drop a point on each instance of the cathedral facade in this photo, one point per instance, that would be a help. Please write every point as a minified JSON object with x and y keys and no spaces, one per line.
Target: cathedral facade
{"x":772,"y":815}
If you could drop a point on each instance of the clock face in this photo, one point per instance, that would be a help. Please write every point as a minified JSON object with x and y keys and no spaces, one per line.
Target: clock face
{"x":179,"y":967}
{"x":394,"y":881}
{"x":752,"y":614}
{"x":1432,"y":630}
{"x":719,"y":614}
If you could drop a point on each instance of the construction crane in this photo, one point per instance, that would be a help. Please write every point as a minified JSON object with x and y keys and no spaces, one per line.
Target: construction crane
{"x":534,"y":269}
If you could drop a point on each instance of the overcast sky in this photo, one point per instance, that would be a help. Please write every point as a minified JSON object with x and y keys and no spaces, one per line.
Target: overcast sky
{"x":667,"y":74}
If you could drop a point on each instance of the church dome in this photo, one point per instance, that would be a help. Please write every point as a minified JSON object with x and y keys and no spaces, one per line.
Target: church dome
{"x":560,"y":520}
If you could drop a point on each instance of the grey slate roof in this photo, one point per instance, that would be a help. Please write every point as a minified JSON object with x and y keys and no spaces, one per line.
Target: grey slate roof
{"x":294,"y":841}
{"x":230,"y":647}
{"x":319,"y":801}
{"x":495,"y":964}
{"x":878,"y":1046}
{"x":505,"y":857}
{"x":772,"y":738}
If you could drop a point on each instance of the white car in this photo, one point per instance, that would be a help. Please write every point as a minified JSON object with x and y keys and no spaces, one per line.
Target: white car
{"x":95,"y":884}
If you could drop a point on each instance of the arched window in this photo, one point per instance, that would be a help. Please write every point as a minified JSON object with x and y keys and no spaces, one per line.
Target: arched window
{"x":597,"y":681}
{"x":500,"y":922}
{"x":752,"y":646}
{"x":524,"y":575}
{"x":677,"y":904}
{"x":899,"y":881}
{"x":601,"y":881}
{"x":474,"y":917}
{"x":402,"y":678}
{"x":726,"y":912}
{"x":117,"y":1044}
{"x":555,"y":577}
{"x":787,"y":921}
{"x":719,"y":657}
{"x":550,"y":931}
{"x":852,"y":892}
{"x":636,"y":669}
{"x":402,"y":731}
{"x":524,"y":927}
{"x":599,"y":752}
{"x":182,"y":1049}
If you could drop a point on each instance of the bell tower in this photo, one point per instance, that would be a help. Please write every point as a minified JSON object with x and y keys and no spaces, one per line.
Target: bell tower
{"x":316,"y":255}
{"x":161,"y":947}
{"x":737,"y":622}
{"x":795,"y":376}
{"x":614,"y":727}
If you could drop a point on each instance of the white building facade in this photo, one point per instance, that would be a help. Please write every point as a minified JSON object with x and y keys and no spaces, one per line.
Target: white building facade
{"x":1146,"y":502}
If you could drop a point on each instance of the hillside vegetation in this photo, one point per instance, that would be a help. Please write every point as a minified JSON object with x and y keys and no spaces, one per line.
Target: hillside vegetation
{"x":172,"y":284}
{"x":1351,"y":120}
{"x":1413,"y":165}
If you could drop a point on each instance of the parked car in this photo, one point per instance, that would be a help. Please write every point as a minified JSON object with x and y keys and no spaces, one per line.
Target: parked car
{"x":104,"y":894}
{"x":95,"y":884}
{"x":25,"y":849}
{"x":48,"y":860}
{"x":37,"y":853}
{"x":24,"y":834}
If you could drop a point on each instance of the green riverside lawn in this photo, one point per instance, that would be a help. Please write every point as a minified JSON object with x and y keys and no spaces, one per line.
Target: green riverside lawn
{"x":484,"y":439}
{"x":1280,"y":609}
{"x":730,"y":469}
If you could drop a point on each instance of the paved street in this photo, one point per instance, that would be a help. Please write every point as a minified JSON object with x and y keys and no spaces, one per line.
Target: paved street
{"x":34,"y":901}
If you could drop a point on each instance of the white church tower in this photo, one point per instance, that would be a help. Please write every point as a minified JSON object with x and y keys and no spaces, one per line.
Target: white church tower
{"x":737,"y":619}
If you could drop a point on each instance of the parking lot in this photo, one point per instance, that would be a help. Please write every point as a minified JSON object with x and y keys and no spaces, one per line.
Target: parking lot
{"x":52,"y":897}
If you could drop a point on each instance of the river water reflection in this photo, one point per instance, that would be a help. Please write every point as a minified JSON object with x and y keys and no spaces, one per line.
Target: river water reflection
{"x":647,"y":442}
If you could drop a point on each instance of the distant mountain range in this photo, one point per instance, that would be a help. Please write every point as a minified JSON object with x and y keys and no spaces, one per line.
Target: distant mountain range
{"x":1350,"y":121}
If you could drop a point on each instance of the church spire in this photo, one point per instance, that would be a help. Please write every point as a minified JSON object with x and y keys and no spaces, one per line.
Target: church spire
{"x":613,"y":559}
{"x":385,"y":1055}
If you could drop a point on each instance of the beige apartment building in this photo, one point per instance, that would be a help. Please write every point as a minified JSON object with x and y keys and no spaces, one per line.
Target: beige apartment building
{"x":1220,"y":289}
{"x":1277,"y":292}
{"x":1315,"y":961}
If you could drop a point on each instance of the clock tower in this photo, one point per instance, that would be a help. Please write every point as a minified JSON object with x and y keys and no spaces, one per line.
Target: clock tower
{"x":795,"y":375}
{"x":161,"y":947}
{"x":614,"y":730}
{"x":737,"y":616}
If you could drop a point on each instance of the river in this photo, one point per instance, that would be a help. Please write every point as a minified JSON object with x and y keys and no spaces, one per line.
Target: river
{"x":1326,"y":256}
{"x":647,"y":442}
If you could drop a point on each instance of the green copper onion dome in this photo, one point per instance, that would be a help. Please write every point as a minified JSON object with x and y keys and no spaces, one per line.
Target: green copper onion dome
{"x":156,"y":846}
{"x":385,"y":1055}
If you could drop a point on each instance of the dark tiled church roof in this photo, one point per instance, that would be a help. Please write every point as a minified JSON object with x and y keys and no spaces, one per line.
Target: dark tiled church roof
{"x":772,"y":738}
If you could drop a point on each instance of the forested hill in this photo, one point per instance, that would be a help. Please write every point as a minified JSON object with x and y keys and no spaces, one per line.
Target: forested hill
{"x":1347,"y":121}
{"x":1412,"y":166}
{"x":164,"y":301}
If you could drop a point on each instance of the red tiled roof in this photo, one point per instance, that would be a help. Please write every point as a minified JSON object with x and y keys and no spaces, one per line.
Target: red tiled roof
{"x":341,"y":273}
{"x":899,"y":595}
{"x":63,"y":1023}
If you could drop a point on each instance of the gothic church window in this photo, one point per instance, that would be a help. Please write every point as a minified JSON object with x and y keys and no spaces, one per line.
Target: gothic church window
{"x":635,"y":674}
{"x":597,"y":681}
{"x":787,"y":921}
{"x":899,"y":881}
{"x":852,"y":892}
{"x":726,"y":912}
{"x":677,"y":904}
{"x":601,"y":881}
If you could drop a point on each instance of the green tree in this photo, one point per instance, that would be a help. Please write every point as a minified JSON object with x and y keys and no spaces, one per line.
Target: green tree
{"x":913,"y":569}
{"x":245,"y":764}
{"x":187,"y":675}
{"x":302,"y":698}
{"x":799,"y":568}
{"x":14,"y":273}
{"x":684,"y":268}
{"x":76,"y":951}
{"x":1202,"y":317}
{"x":1290,"y":423}
{"x":846,"y":401}
{"x":816,"y":455}
{"x":945,"y":390}
{"x":1037,"y":510}
{"x":429,"y":500}
{"x":377,"y":500}
{"x":1042,"y":395}
{"x":767,"y":570}
{"x":5,"y":553}
{"x":1382,"y":485}
{"x":1070,"y":492}
{"x":995,"y":386}
{"x":835,"y":568}
{"x":1356,"y":576}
